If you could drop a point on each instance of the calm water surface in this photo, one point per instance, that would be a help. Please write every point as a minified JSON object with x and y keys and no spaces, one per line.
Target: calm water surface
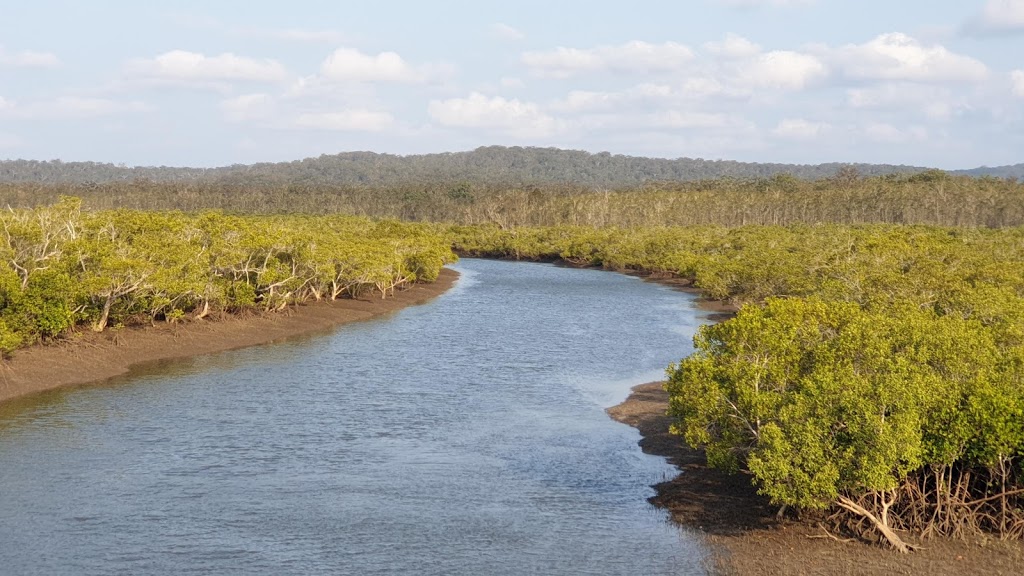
{"x":464,"y":436}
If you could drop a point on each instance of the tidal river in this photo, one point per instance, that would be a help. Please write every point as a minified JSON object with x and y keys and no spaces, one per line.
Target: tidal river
{"x":463,"y":436}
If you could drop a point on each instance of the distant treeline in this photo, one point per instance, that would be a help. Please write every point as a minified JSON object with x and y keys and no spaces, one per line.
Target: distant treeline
{"x":493,"y":165}
{"x":848,"y":197}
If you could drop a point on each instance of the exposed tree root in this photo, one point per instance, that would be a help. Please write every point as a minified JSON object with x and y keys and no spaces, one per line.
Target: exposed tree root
{"x":880,"y":524}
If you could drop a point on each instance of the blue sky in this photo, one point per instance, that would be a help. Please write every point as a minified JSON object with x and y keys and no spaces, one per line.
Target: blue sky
{"x":935,"y":83}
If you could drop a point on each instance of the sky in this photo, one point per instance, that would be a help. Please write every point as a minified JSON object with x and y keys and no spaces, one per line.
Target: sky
{"x":936,"y":83}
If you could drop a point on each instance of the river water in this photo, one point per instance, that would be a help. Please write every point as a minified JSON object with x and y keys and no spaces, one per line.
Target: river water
{"x":463,"y":436}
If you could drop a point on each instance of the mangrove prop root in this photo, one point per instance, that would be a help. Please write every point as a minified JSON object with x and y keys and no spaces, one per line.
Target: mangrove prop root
{"x":942,"y":501}
{"x":882,"y":527}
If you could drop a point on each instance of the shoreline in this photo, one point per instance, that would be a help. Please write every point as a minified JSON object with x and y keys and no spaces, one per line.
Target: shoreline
{"x":91,"y":357}
{"x":745,"y":537}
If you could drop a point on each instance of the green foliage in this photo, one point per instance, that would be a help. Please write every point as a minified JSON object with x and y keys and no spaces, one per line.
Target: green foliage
{"x":822,"y":398}
{"x":67,"y":267}
{"x":47,"y":304}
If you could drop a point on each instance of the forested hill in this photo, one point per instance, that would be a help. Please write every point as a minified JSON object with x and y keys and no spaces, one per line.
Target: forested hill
{"x":1013,"y":171}
{"x":488,"y":165}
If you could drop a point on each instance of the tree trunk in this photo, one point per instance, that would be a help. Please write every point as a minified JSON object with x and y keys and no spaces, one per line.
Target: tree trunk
{"x":101,"y":324}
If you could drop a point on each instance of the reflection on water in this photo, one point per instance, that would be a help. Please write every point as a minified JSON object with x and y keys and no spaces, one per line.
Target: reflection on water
{"x":465,"y":436}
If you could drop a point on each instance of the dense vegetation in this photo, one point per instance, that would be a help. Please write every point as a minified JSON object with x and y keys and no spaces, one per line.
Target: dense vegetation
{"x":65,"y":267}
{"x":876,"y":371}
{"x":931,"y":197}
{"x":492,"y":165}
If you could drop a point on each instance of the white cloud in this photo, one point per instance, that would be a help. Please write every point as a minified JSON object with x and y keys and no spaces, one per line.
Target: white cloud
{"x":631,"y":57}
{"x":899,"y":57}
{"x":190,"y":68}
{"x":732,"y":46}
{"x":350,"y":65}
{"x":999,"y":16}
{"x":28,"y":59}
{"x":800,"y":129}
{"x":513,"y":117}
{"x":1017,"y":80}
{"x":507,"y":33}
{"x":248,"y":107}
{"x":346,"y":120}
{"x":5,"y":104}
{"x":783,"y":70}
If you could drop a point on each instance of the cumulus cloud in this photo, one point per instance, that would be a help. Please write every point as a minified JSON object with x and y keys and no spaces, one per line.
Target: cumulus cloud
{"x":191,"y":68}
{"x":1017,"y":83}
{"x":899,"y":57}
{"x":800,"y":129}
{"x":347,"y":64}
{"x":507,"y":33}
{"x":355,"y":120}
{"x":27,"y":59}
{"x":351,"y":65}
{"x":513,"y":117}
{"x":998,"y":17}
{"x":783,"y":70}
{"x":632,"y":57}
{"x":732,"y":46}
